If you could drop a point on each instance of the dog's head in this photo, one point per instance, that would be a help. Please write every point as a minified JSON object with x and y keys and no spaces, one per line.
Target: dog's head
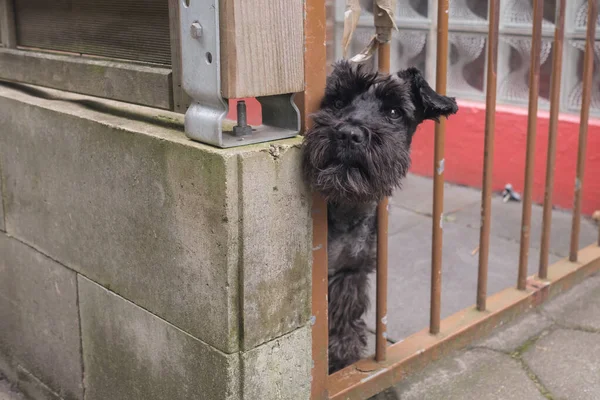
{"x":358,"y":149}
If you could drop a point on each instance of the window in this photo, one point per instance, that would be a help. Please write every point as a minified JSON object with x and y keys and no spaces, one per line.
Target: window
{"x":117,"y":49}
{"x":415,"y":45}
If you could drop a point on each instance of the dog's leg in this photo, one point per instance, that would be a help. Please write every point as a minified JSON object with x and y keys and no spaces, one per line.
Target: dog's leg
{"x":348,"y":301}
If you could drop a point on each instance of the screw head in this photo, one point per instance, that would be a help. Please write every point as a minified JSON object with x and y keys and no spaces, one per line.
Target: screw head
{"x":196,"y":30}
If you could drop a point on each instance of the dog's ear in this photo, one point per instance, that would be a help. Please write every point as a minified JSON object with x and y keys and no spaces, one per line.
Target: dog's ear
{"x":428,"y":103}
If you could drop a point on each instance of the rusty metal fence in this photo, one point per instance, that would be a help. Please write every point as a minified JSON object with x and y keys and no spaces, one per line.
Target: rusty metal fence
{"x":391,"y":363}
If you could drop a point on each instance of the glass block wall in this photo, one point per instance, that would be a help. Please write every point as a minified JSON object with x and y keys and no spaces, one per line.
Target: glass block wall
{"x":415,"y":45}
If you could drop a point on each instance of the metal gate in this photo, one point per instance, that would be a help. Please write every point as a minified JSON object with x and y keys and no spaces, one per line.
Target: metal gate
{"x":391,"y":363}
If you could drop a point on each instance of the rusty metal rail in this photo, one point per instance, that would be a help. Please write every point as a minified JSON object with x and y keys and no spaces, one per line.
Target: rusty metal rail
{"x":392,"y":362}
{"x":559,"y":35}
{"x":438,"y":172}
{"x":383,"y":61}
{"x":488,"y":156}
{"x":315,"y":57}
{"x":588,"y":69}
{"x":534,"y":89}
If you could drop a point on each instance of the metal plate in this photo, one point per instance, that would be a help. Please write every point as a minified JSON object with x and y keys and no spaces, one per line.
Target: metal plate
{"x":201,"y":79}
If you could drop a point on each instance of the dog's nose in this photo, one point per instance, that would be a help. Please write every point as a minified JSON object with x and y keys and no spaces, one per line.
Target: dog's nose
{"x":351,"y":134}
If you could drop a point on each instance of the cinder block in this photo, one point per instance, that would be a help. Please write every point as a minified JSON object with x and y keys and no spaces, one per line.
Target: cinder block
{"x":279,"y":369}
{"x":131,"y":354}
{"x":39,"y":322}
{"x":133,"y":206}
{"x":276,"y":244}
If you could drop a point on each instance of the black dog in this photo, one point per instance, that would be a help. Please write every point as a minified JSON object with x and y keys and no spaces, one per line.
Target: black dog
{"x":357,"y":152}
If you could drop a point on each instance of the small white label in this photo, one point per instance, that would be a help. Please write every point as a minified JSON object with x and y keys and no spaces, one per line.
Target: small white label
{"x":440,"y":169}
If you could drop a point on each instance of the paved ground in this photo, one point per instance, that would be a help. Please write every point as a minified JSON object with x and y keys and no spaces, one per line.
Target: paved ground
{"x":552,"y":353}
{"x":7,"y":391}
{"x":410,"y":251}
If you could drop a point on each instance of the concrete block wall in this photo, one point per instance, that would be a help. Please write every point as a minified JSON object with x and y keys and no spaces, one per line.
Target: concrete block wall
{"x":137,"y":264}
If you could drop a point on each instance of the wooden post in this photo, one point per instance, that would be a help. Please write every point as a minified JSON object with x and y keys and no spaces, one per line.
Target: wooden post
{"x":262,"y":47}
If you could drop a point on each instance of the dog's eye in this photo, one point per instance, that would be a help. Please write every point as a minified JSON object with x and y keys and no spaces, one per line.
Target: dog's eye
{"x":339,"y":104}
{"x":393,"y":113}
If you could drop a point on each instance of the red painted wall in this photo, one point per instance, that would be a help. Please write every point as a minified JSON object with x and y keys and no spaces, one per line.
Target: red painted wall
{"x":464,"y":151}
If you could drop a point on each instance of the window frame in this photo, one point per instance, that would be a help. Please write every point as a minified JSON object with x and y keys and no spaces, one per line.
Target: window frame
{"x":156,"y":86}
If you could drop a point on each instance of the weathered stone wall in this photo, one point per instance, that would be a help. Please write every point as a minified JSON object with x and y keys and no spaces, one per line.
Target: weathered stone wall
{"x":136,"y":264}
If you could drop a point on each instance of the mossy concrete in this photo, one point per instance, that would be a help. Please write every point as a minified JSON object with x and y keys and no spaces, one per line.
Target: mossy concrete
{"x":131,"y":354}
{"x":39,"y":323}
{"x":279,"y":369}
{"x":2,"y":227}
{"x":467,"y":376}
{"x":578,"y":309}
{"x":194,"y":263}
{"x":275,"y":251}
{"x":566,"y":362}
{"x":144,"y":214}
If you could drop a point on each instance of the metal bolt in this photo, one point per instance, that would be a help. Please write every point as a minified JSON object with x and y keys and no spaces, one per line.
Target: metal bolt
{"x":242,"y":128}
{"x":196,"y":30}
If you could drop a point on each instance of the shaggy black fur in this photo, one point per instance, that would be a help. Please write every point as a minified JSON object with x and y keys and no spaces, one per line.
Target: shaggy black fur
{"x":356,"y":153}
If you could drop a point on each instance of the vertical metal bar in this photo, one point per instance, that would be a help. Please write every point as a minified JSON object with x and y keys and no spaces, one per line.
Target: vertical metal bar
{"x":315,"y":59}
{"x":588,"y":68}
{"x":488,"y":155}
{"x":319,"y":319}
{"x":179,"y":98}
{"x":8,"y":31}
{"x":438,"y":170}
{"x":383,"y":58}
{"x":534,"y":88}
{"x":559,"y":34}
{"x":382,"y":280}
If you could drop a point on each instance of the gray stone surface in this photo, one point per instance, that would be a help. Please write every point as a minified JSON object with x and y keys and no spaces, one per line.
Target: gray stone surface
{"x":156,"y":218}
{"x":39,"y":329}
{"x":134,"y":355}
{"x":514,"y":335}
{"x":150,"y":215}
{"x":33,"y":388}
{"x":416,"y":195}
{"x":566,"y":362}
{"x":401,"y":219}
{"x":133,"y":83}
{"x":280,"y":369}
{"x":8,"y":391}
{"x":579,"y":307}
{"x":506,"y":223}
{"x":2,"y":226}
{"x":275,"y":256}
{"x":474,"y":375}
{"x":409,"y":274}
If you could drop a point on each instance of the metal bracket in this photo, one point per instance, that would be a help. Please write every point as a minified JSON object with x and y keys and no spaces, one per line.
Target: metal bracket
{"x":201,"y":79}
